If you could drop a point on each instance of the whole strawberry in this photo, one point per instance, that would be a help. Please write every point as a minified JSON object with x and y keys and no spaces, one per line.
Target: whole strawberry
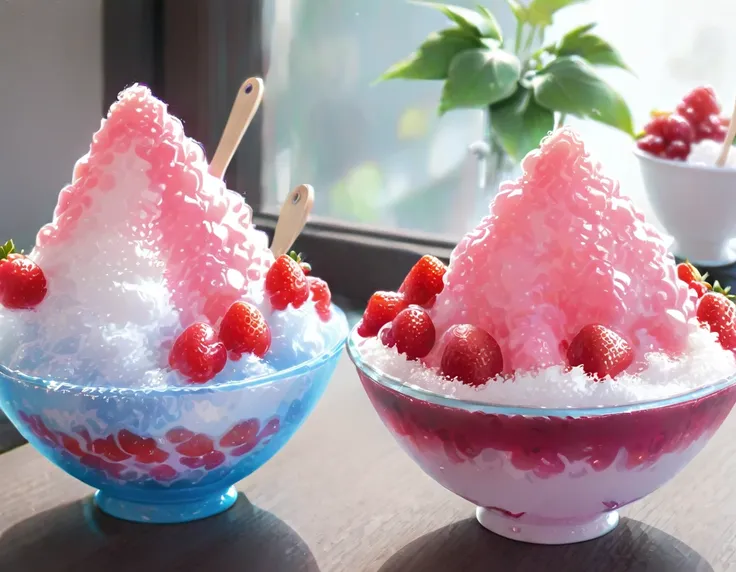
{"x":322,"y":297}
{"x":198,"y":354}
{"x":381,"y":309}
{"x":717,"y":312}
{"x":22,"y":282}
{"x":411,"y":332}
{"x":692,"y":277}
{"x":244,"y":330}
{"x":424,"y":281}
{"x":601,"y":351}
{"x":286,"y":283}
{"x":471,"y":355}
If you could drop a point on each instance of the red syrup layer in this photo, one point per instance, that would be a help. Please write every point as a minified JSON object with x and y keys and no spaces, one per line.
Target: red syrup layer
{"x":542,"y":446}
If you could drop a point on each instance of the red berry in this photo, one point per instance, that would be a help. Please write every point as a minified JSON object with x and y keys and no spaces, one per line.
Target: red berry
{"x":286,"y":283}
{"x":144,"y":449}
{"x":243,"y":432}
{"x":381,"y":309}
{"x":109,"y":449}
{"x":711,"y":128}
{"x":322,"y":297}
{"x":244,"y":330}
{"x":471,"y":355}
{"x":653,"y":144}
{"x":22,"y":282}
{"x":178,"y":435}
{"x":677,"y":150}
{"x":670,"y":127}
{"x":719,"y":314}
{"x":688,"y":273}
{"x":601,"y":352}
{"x":412,"y":332}
{"x":197,"y":446}
{"x":699,"y":104}
{"x":424,"y":281}
{"x":198,"y":354}
{"x":163,"y":473}
{"x":700,"y":288}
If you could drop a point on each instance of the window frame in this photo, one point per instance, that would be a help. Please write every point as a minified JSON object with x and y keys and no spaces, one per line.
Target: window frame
{"x":170,"y":46}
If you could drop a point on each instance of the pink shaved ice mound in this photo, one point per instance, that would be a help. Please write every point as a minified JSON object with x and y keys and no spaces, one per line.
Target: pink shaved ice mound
{"x":143,"y":243}
{"x":200,"y":231}
{"x":560,"y":249}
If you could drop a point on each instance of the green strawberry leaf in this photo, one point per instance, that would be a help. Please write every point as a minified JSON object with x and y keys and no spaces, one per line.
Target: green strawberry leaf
{"x":580,"y":30}
{"x":478,"y":78}
{"x":592,"y":48}
{"x":476,"y":23}
{"x":432,"y":59}
{"x":7,"y":248}
{"x":570,"y":85}
{"x":539,"y":12}
{"x":520,"y":123}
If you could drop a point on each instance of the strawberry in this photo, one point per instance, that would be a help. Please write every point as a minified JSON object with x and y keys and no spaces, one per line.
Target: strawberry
{"x":424,"y":281}
{"x":601,"y":352}
{"x":299,"y":259}
{"x":688,"y":273}
{"x":286,"y":283}
{"x":22,"y":282}
{"x":321,"y":296}
{"x":717,"y":312}
{"x":244,"y":330}
{"x":198,"y":354}
{"x":700,"y":288}
{"x":381,"y":309}
{"x":411,"y":332}
{"x":471,"y":355}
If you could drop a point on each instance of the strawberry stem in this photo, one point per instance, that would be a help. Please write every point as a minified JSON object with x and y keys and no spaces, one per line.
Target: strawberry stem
{"x":6,"y":249}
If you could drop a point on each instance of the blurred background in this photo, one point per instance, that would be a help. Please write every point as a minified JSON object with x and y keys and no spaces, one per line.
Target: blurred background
{"x":378,"y":155}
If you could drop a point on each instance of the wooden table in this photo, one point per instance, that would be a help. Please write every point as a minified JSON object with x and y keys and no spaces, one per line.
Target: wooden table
{"x":342,"y":496}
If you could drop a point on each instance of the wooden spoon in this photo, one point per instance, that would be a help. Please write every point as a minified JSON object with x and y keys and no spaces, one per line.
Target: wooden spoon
{"x":292,"y":218}
{"x":244,"y":109}
{"x":728,"y":142}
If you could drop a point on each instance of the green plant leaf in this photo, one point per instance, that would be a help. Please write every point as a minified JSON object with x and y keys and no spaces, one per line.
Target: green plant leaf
{"x":432,"y":59}
{"x":580,"y":30}
{"x":594,"y":49}
{"x":539,"y":12}
{"x":480,"y":77}
{"x":520,"y":123}
{"x":474,"y":22}
{"x":495,"y":29}
{"x":569,"y":84}
{"x":518,"y":10}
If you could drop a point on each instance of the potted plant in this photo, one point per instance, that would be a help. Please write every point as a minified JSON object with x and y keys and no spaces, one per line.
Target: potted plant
{"x":526,"y":90}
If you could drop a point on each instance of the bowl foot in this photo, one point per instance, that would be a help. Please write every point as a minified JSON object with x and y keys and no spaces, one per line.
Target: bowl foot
{"x":166,"y":513}
{"x":553,"y":533}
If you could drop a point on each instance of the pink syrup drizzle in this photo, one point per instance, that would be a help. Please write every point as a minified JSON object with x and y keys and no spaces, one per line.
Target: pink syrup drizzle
{"x":201,"y":229}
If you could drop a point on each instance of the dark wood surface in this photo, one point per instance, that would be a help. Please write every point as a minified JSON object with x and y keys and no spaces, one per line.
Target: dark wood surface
{"x":342,"y":496}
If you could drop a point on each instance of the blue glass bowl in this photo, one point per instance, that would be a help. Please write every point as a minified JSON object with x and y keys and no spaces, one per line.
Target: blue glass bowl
{"x":166,"y":455}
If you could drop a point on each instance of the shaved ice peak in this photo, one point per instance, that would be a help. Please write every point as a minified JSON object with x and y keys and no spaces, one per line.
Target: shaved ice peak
{"x":142,"y":204}
{"x":561,"y":249}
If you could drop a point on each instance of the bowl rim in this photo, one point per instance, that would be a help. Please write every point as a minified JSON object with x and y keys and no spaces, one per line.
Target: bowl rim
{"x":421,"y":394}
{"x":180,"y":390}
{"x":725,"y":171}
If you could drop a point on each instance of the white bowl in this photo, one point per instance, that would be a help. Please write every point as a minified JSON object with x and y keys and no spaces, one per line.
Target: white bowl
{"x":696,"y":204}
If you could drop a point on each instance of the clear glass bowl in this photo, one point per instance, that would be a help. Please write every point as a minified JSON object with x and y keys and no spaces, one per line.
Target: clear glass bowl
{"x":168,"y":455}
{"x":547,"y":476}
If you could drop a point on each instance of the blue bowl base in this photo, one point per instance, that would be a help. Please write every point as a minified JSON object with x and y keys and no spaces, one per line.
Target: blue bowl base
{"x":166,"y":513}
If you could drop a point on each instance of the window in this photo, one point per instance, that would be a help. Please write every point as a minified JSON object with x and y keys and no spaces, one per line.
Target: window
{"x":393,"y":180}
